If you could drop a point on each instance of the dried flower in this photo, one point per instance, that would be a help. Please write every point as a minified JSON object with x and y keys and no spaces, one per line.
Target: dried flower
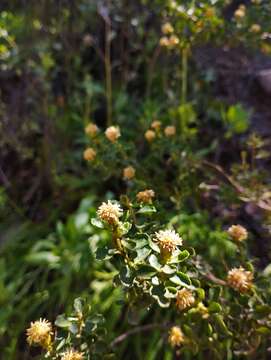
{"x":202,"y":309}
{"x":91,"y":129}
{"x":89,"y":154}
{"x":72,"y":355}
{"x":112,"y":133}
{"x":110,"y":212}
{"x":170,"y":131}
{"x":145,"y":196}
{"x":150,"y":135}
{"x":184,"y":299}
{"x":255,"y":28}
{"x":238,"y":233}
{"x":128,"y":173}
{"x":39,"y":333}
{"x":176,"y":336}
{"x":167,"y":28}
{"x":156,"y":124}
{"x":240,"y":279}
{"x":167,"y":240}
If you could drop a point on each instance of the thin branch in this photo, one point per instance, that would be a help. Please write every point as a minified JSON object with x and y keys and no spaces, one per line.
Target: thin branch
{"x":136,"y":330}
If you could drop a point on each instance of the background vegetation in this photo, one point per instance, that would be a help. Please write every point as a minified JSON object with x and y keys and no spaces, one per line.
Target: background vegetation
{"x":65,"y":64}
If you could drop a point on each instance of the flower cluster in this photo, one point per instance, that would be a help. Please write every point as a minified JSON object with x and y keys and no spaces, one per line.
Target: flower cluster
{"x":184,"y":299}
{"x":110,"y":212}
{"x":240,"y":279}
{"x":176,"y":336}
{"x":40,"y":333}
{"x":145,"y":196}
{"x":167,"y":240}
{"x":238,"y":233}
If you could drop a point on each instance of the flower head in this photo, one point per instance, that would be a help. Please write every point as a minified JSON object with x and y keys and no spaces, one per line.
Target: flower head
{"x":150,"y":135}
{"x":167,"y":240}
{"x":128,"y":173}
{"x":167,"y":28}
{"x":91,"y":129}
{"x":238,"y":233}
{"x":145,"y":196}
{"x":170,"y":131}
{"x":164,"y":41}
{"x":240,"y":279}
{"x":156,"y":124}
{"x":173,"y":41}
{"x":240,"y":13}
{"x":176,"y":336}
{"x":72,"y":355}
{"x":255,"y":28}
{"x":39,"y":333}
{"x":110,"y":212}
{"x":89,"y":154}
{"x":184,"y":299}
{"x":112,"y":133}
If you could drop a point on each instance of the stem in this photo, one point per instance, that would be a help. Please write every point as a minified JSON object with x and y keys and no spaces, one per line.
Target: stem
{"x":184,"y":53}
{"x":135,"y":331}
{"x":108,"y":75}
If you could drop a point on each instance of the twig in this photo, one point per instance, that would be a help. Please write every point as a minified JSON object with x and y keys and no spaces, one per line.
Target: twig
{"x":136,"y":330}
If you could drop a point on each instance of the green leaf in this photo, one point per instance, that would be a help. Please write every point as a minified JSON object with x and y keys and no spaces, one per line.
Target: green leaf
{"x":154,"y":262}
{"x":62,"y":322}
{"x":104,"y":253}
{"x":126,"y":276}
{"x":214,"y":307}
{"x":145,"y":272}
{"x":201,"y":293}
{"x":157,"y":292}
{"x":185,"y":278}
{"x":221,"y":325}
{"x":147,"y":210}
{"x":183,"y":255}
{"x":178,"y":281}
{"x":124,"y":228}
{"x":97,"y":223}
{"x":154,"y":246}
{"x":142,"y":254}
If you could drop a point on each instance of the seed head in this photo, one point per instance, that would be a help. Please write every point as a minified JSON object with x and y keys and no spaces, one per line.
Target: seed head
{"x":145,"y":196}
{"x":72,"y":355}
{"x":238,"y":233}
{"x":89,"y":154}
{"x":176,"y":336}
{"x":91,"y":129}
{"x":184,"y":299}
{"x":170,"y":131}
{"x":112,"y":133}
{"x":39,"y":333}
{"x":110,"y":212}
{"x":150,"y":135}
{"x":240,"y":279}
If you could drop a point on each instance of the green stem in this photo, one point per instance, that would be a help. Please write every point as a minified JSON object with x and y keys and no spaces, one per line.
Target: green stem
{"x":108,"y":75}
{"x":184,"y":53}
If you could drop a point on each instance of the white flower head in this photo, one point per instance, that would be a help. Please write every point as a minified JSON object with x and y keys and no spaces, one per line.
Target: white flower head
{"x":110,"y":212}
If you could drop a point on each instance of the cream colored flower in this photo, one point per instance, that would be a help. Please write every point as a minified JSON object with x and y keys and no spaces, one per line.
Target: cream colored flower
{"x":156,"y":124}
{"x":145,"y":196}
{"x":91,"y":129}
{"x":39,"y":333}
{"x":167,"y":28}
{"x":238,"y":233}
{"x":110,"y":212}
{"x":176,"y":336}
{"x":112,"y":133}
{"x":255,"y":28}
{"x":168,"y":240}
{"x":129,"y":173}
{"x":184,"y":299}
{"x":72,"y":355}
{"x":202,"y":309}
{"x":240,"y":279}
{"x":150,"y":135}
{"x":89,"y":154}
{"x":170,"y":131}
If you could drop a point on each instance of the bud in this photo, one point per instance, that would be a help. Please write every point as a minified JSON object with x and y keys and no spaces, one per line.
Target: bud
{"x":145,"y":196}
{"x":167,"y":28}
